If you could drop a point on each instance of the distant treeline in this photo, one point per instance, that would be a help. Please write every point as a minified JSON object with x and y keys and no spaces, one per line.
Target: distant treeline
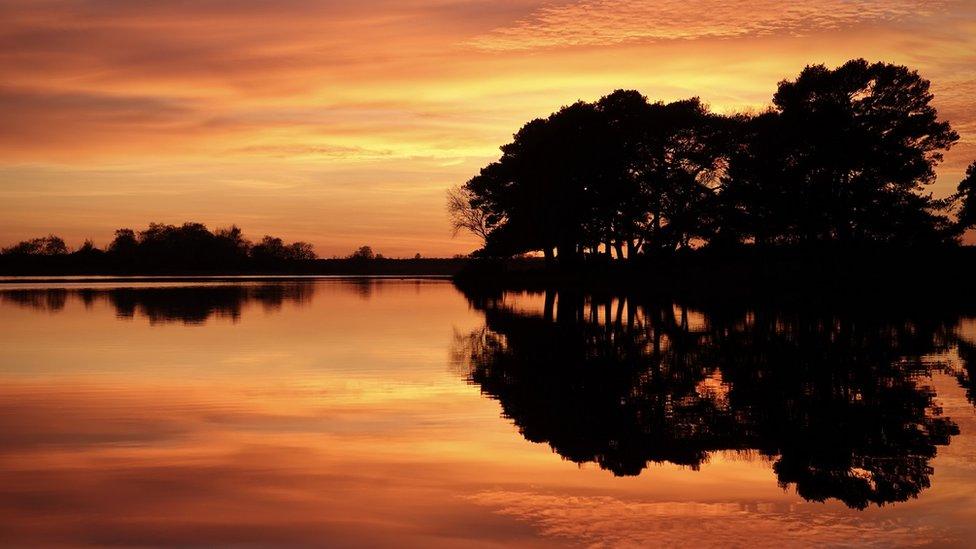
{"x":161,"y":247}
{"x":841,"y":158}
{"x":192,"y":248}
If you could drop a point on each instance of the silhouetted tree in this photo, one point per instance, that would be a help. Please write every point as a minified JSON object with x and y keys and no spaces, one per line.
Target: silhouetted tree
{"x":364,"y":253}
{"x":88,"y":254}
{"x":622,"y":198}
{"x":756,"y":203}
{"x":679,"y":163}
{"x":192,"y":245}
{"x":302,"y":251}
{"x":50,"y":245}
{"x":464,"y":216}
{"x":844,"y":157}
{"x":125,"y":243}
{"x":87,"y":247}
{"x":619,"y":173}
{"x":538,"y":196}
{"x":274,"y":250}
{"x":159,"y":248}
{"x":967,"y":196}
{"x":232,"y":242}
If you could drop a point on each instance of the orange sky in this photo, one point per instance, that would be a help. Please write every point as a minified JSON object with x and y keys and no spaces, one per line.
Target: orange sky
{"x":342,"y":123}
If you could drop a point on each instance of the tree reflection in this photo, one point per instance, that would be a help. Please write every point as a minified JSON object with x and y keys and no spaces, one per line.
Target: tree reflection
{"x":162,"y":304}
{"x":839,"y":402}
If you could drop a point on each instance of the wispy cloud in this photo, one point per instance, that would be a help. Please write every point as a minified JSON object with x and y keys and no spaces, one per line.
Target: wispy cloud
{"x":304,"y":100}
{"x":605,"y":22}
{"x":320,"y":151}
{"x":604,"y":521}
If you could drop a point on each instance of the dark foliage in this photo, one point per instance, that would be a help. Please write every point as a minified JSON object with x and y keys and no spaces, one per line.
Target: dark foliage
{"x":967,"y":197}
{"x":159,"y":248}
{"x":838,"y":401}
{"x":363,"y":253}
{"x":44,"y":246}
{"x":842,"y":157}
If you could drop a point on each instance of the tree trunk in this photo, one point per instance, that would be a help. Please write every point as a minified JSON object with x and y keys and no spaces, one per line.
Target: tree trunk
{"x":566,"y":253}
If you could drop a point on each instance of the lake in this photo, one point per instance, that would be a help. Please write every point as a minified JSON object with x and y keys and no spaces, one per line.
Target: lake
{"x":379,"y":412}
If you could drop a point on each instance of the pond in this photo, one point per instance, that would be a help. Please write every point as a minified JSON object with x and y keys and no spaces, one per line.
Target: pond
{"x":365,"y":412}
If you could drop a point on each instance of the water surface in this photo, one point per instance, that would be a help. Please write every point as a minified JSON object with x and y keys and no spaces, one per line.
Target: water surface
{"x":362,"y":412}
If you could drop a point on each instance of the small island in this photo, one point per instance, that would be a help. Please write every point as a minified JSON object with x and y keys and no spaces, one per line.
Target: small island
{"x":828,"y":187}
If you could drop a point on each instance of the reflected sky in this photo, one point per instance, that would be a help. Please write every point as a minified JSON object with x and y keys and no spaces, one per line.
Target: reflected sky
{"x":354,"y":413}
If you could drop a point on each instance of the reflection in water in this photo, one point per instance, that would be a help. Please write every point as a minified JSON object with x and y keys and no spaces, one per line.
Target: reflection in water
{"x":47,"y":299}
{"x":186,"y":304}
{"x":338,"y":420}
{"x":966,"y":372}
{"x":839,"y":403}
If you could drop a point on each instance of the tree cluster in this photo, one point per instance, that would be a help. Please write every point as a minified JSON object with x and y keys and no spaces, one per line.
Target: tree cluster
{"x":364,"y":254}
{"x":45,"y":245}
{"x":842,"y":156}
{"x":162,"y":246}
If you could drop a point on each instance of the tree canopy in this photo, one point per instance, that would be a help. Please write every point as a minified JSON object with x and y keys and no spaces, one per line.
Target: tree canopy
{"x":843,"y":156}
{"x":45,"y":245}
{"x":162,"y":246}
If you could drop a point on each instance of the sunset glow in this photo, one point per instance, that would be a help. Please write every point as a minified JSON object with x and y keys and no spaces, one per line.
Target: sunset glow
{"x":342,"y":123}
{"x":327,"y":420}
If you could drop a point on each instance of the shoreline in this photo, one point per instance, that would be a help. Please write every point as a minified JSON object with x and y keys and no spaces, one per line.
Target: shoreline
{"x":886,"y":277}
{"x":891,"y":276}
{"x":85,"y":279}
{"x":68,"y":266}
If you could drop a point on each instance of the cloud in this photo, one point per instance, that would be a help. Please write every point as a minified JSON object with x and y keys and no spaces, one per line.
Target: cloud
{"x":954,"y":99}
{"x":319,"y":151}
{"x":314,"y":97}
{"x":605,"y":521}
{"x":23,"y":106}
{"x":51,"y":123}
{"x":607,"y":22}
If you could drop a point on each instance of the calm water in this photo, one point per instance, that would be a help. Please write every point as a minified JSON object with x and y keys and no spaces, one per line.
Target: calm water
{"x":385,"y":412}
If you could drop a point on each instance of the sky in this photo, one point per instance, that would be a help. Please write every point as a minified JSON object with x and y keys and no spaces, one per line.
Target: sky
{"x":343,"y":123}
